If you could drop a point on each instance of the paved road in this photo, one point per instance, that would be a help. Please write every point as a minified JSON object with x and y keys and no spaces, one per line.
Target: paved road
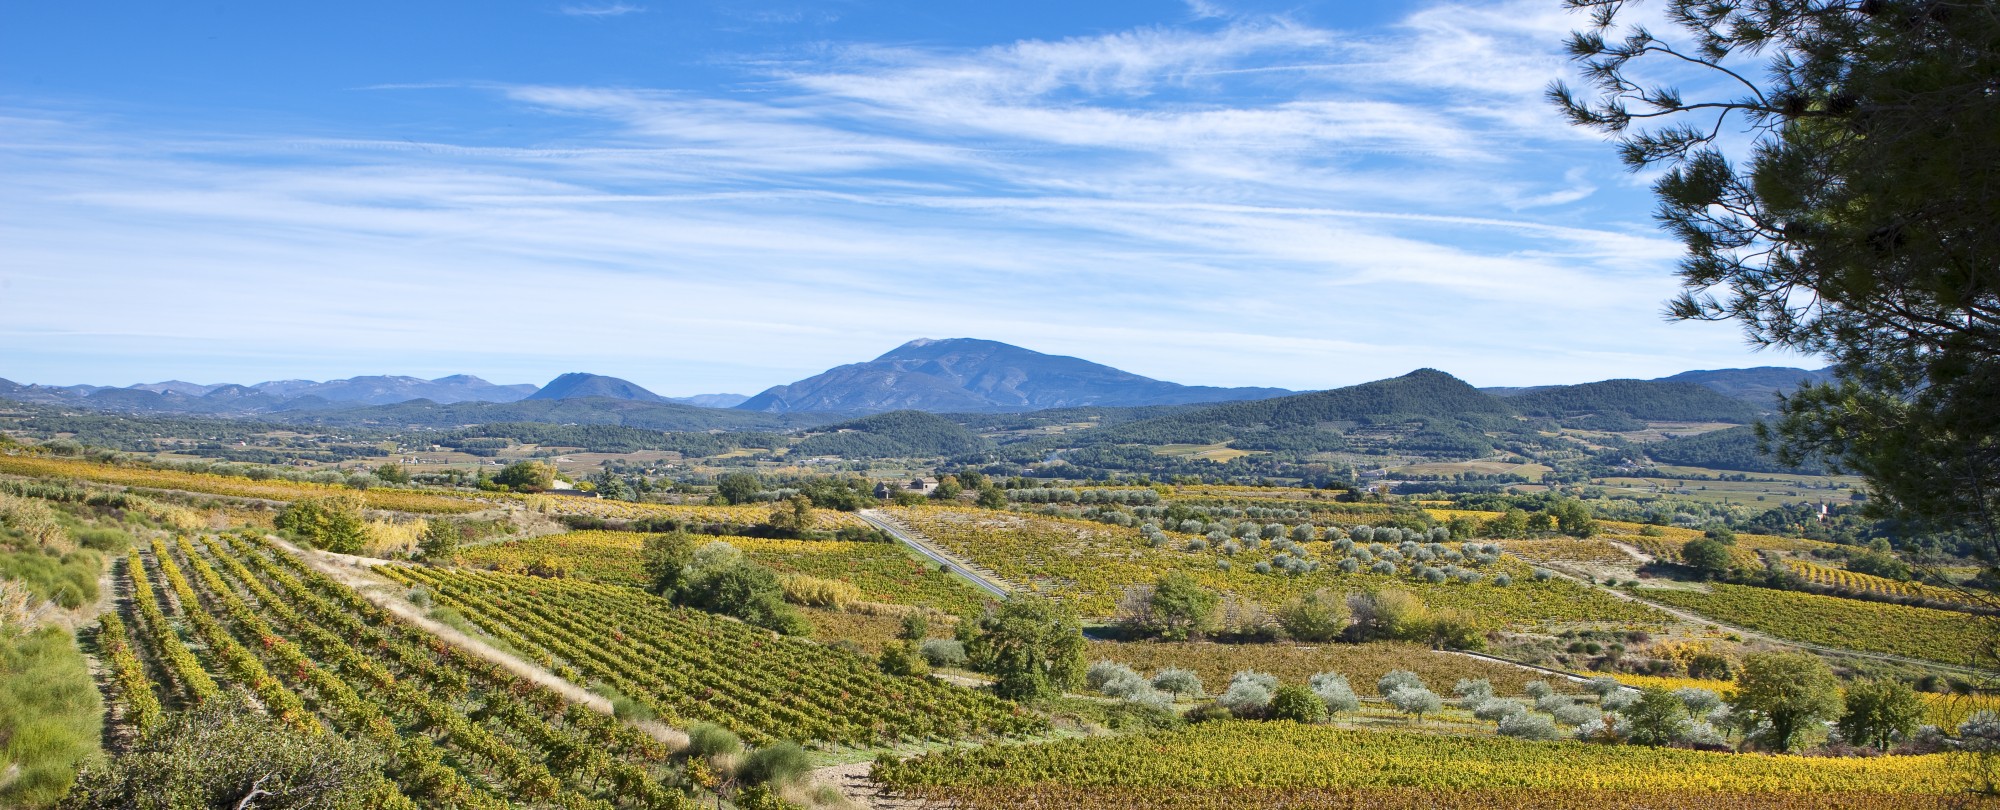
{"x":924,"y":547}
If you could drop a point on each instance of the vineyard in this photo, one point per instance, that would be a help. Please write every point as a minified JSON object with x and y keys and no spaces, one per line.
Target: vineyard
{"x":691,"y":666}
{"x":744,"y":515}
{"x":1223,"y":764}
{"x":882,"y":571}
{"x":459,"y":731}
{"x":1933,"y":635}
{"x":1942,"y":710}
{"x":1090,"y":565}
{"x":1363,"y":664}
{"x":1568,"y":549}
{"x":1827,"y":576}
{"x":229,"y":486}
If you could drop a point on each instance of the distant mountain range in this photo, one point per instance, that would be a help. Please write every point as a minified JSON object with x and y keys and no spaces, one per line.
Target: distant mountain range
{"x":958,"y":375}
{"x":965,"y":375}
{"x":292,"y":396}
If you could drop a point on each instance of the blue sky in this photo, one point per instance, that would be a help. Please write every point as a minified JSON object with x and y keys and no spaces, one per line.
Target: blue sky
{"x":722,"y":196}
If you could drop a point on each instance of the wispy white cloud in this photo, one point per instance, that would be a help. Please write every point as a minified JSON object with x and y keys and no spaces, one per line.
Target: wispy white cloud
{"x":603,"y":10}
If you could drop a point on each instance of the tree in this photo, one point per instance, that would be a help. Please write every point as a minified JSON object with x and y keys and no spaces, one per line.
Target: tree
{"x":1881,"y":563}
{"x":992,"y":498}
{"x":393,"y":473}
{"x":665,"y":560}
{"x":1790,"y":691}
{"x":1573,"y":518}
{"x":916,"y":625}
{"x":1334,"y":690}
{"x":1296,"y":703}
{"x":1707,"y":557}
{"x":440,"y":539}
{"x":333,"y":522}
{"x":227,"y":754}
{"x":793,"y":516}
{"x":738,"y":487}
{"x":1657,"y":717}
{"x":1390,"y":613}
{"x":1315,"y":617}
{"x":1032,"y":646}
{"x":1860,"y":225}
{"x":1510,"y":524}
{"x":903,"y":659}
{"x":1879,"y":711}
{"x":1181,"y":607}
{"x":1415,"y":701}
{"x":527,"y":476}
{"x":948,"y":489}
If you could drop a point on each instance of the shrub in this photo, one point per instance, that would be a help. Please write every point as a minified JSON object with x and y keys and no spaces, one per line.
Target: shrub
{"x":1415,"y":701}
{"x":916,"y":625}
{"x":205,"y":756}
{"x":1528,"y":727}
{"x":902,"y":660}
{"x":1208,"y":713}
{"x":708,"y":740}
{"x":333,"y":522}
{"x":943,"y":652}
{"x":1538,"y":689}
{"x":1105,"y":672}
{"x":1177,"y":681}
{"x":1576,"y":714}
{"x":1248,"y":693}
{"x":1333,"y":690}
{"x":1398,"y":679}
{"x":776,"y":764}
{"x":1698,"y":702}
{"x":1471,"y":692}
{"x":1494,"y":710}
{"x":1315,"y":617}
{"x":1297,"y":704}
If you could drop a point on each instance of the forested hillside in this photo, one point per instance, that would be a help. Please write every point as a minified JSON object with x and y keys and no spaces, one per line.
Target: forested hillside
{"x":1634,"y":399}
{"x":896,"y":434}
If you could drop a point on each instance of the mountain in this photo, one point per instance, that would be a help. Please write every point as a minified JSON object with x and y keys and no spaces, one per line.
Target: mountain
{"x":711,"y":400}
{"x":1757,"y":386}
{"x":186,"y":389}
{"x":896,"y":434}
{"x":1426,"y":411}
{"x":589,"y":410}
{"x":980,"y":376}
{"x":578,"y":385}
{"x":1645,"y":400}
{"x":384,"y":390}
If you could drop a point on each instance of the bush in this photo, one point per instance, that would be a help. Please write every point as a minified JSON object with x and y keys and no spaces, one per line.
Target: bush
{"x":916,"y":625}
{"x":1297,"y":704}
{"x":1538,"y":689}
{"x":1334,"y":691}
{"x":1318,"y":616}
{"x":1248,"y":693}
{"x":333,"y":522}
{"x":205,"y":756}
{"x":903,"y":660}
{"x":1104,"y":673}
{"x":1415,"y":701}
{"x":1576,"y":714}
{"x":1398,"y":679}
{"x":1528,"y":727}
{"x":1178,"y":682}
{"x":708,"y":740}
{"x":1471,"y":692}
{"x":1496,"y":710}
{"x":943,"y":652}
{"x":776,"y":764}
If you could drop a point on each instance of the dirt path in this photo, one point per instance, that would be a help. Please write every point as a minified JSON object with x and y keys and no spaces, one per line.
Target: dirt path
{"x":355,"y":573}
{"x":854,"y":785}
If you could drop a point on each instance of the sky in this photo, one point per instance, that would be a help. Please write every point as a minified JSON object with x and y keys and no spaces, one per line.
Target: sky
{"x":724,"y":195}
